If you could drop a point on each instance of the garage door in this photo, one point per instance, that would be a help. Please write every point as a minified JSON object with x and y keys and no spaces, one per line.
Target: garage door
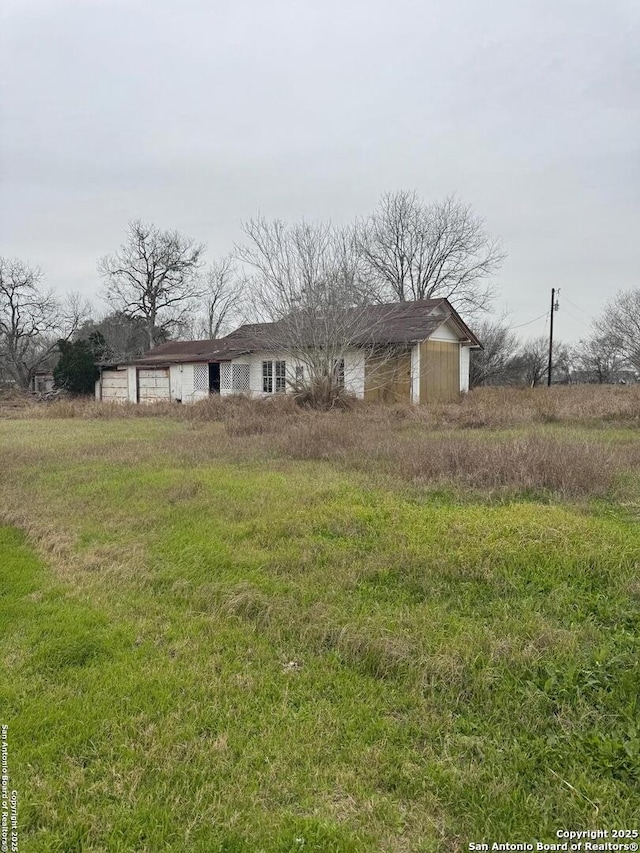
{"x":439,"y":372}
{"x":115,"y":386}
{"x":153,"y":385}
{"x":387,"y":378}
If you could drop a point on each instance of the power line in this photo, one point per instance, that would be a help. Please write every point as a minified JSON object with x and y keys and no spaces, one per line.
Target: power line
{"x":580,"y":320}
{"x":577,"y":307}
{"x":529,"y":322}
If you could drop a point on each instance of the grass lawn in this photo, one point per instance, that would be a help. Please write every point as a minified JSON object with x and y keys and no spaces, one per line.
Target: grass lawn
{"x":209,"y":646}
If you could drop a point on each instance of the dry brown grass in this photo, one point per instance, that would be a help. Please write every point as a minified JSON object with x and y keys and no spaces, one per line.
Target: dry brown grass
{"x":504,"y":407}
{"x":569,"y":467}
{"x":489,"y":408}
{"x":13,"y":400}
{"x":456,"y":445}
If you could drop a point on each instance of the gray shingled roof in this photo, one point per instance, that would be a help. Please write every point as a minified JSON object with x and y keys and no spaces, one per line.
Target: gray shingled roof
{"x":176,"y":352}
{"x":395,"y":323}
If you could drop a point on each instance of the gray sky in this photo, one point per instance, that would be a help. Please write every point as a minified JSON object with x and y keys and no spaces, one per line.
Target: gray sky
{"x":198,"y":114}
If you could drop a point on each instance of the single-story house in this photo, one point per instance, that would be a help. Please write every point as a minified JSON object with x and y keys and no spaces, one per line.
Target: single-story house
{"x":404,"y":352}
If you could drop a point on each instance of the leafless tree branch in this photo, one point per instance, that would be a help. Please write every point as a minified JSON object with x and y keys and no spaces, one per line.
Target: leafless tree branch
{"x":620,"y":323}
{"x":154,"y":275}
{"x":416,"y":251}
{"x":32,"y":320}
{"x":306,"y":281}
{"x":222,"y":299}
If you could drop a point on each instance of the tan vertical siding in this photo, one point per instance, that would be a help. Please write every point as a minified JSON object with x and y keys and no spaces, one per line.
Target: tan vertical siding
{"x":439,"y":371}
{"x":387,"y":378}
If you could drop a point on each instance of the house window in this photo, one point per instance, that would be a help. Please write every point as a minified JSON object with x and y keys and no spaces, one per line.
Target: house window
{"x":267,"y":377}
{"x":338,"y":372}
{"x":271,"y":369}
{"x":299,"y":374}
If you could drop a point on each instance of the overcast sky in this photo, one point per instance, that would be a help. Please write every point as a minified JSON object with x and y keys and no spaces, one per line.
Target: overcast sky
{"x":197,"y":114}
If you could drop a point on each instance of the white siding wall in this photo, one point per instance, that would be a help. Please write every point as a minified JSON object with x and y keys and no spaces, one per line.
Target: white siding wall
{"x":445,"y":333}
{"x":353,"y":370}
{"x":415,"y":374}
{"x":188,"y":390}
{"x":133,"y":384}
{"x":175,"y":382}
{"x":465,"y":360}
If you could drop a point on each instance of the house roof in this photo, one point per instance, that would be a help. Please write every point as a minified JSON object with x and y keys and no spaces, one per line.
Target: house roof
{"x":176,"y":352}
{"x":393,"y":323}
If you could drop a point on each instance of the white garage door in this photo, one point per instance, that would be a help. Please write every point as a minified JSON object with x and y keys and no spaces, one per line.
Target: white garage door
{"x":114,"y":386}
{"x":153,"y":384}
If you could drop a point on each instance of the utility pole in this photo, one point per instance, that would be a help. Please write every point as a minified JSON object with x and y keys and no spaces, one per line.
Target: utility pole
{"x":554,"y":307}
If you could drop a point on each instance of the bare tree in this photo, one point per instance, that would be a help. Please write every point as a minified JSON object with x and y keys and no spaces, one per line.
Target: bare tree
{"x":32,"y":321}
{"x":598,"y":359}
{"x":620,"y":322}
{"x":532,"y":361}
{"x":414,"y":250}
{"x":222,"y":298}
{"x":306,"y":283}
{"x":494,"y":364}
{"x":154,"y":275}
{"x":563,"y":363}
{"x":530,"y":365}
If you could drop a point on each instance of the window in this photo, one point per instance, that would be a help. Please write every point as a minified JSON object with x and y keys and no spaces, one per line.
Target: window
{"x":267,"y":377}
{"x":269,"y":369}
{"x":299,"y":374}
{"x":338,"y":372}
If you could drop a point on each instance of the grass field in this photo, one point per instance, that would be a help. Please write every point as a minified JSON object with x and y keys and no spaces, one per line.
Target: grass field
{"x":260,"y":629}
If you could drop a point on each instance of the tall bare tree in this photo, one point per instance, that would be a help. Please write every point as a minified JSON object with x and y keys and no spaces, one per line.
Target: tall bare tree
{"x":495,"y":363}
{"x":305,"y":281}
{"x":414,"y":250}
{"x":32,"y":321}
{"x":154,"y":275}
{"x":221,"y":299}
{"x":620,"y":322}
{"x":598,"y":359}
{"x":532,"y":361}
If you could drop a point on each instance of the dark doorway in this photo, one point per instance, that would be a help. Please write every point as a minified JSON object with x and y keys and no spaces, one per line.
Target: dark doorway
{"x":214,"y":378}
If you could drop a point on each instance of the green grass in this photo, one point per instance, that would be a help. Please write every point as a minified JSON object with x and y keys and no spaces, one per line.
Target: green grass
{"x":206,"y":652}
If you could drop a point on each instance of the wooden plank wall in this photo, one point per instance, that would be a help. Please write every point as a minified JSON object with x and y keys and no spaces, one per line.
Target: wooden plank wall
{"x":439,"y":371}
{"x":153,"y":384}
{"x":115,"y":386}
{"x":387,"y":378}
